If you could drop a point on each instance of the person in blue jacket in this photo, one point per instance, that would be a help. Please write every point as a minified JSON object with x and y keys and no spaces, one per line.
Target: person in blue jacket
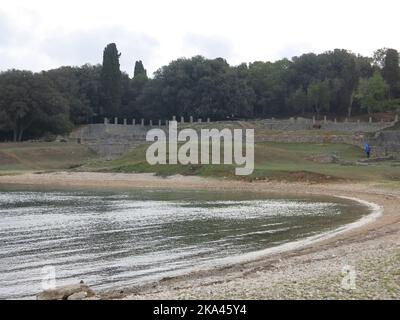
{"x":367,"y":149}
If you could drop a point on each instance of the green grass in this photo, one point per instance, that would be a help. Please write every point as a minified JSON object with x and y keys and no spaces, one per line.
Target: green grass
{"x":276,"y":161}
{"x":24,"y":156}
{"x":273,"y":161}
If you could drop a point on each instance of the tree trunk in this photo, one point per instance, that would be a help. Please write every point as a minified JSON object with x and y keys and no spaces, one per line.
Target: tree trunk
{"x":15,"y":135}
{"x":349,"y":109}
{"x":317,"y":110}
{"x":20,"y":135}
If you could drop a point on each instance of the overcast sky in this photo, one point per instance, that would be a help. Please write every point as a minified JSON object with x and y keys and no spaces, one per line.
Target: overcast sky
{"x":45,"y":34}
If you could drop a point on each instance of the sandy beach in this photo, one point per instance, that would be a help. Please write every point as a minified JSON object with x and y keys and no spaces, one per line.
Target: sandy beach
{"x":317,"y":270}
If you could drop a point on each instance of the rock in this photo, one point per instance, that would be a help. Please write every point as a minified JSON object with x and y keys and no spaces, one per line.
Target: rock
{"x":78,"y":296}
{"x":65,"y":292}
{"x":93,"y":298}
{"x":59,"y":293}
{"x":377,"y":159}
{"x":324,"y":158}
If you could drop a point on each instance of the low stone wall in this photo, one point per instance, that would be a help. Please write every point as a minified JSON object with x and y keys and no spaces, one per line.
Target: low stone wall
{"x":357,"y":140}
{"x":297,"y":124}
{"x":110,"y":140}
{"x":386,"y":142}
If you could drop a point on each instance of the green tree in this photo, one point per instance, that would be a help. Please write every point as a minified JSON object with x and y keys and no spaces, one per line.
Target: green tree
{"x":111,"y":81}
{"x":198,"y":87}
{"x":139,"y":69}
{"x":270,"y":84}
{"x":378,"y":57}
{"x":341,"y":65}
{"x":391,"y":72}
{"x":28,"y":99}
{"x":373,"y":93}
{"x":132,"y":89}
{"x":89,"y":77}
{"x":319,"y":96}
{"x":67,"y":81}
{"x":299,"y":101}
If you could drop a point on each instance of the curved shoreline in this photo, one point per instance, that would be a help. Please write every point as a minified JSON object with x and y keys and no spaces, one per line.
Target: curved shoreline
{"x":232,"y":261}
{"x":377,"y":211}
{"x":272,"y":275}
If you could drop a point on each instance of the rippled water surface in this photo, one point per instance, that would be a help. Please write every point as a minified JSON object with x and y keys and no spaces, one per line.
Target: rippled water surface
{"x":129,"y":238}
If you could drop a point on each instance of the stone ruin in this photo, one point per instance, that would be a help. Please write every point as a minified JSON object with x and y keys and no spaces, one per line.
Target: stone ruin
{"x":114,"y":138}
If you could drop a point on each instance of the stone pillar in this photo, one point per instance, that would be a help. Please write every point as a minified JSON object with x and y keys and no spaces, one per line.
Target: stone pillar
{"x":142,"y":122}
{"x":199,"y":120}
{"x":370,"y":120}
{"x":191,"y":119}
{"x":208,"y":120}
{"x":159,"y":123}
{"x":125,"y":123}
{"x":116,"y":120}
{"x":324,"y":119}
{"x":151,"y":123}
{"x":182,"y":119}
{"x":313,"y":120}
{"x":358,"y":121}
{"x":133,"y":121}
{"x":166,"y":123}
{"x":105,"y":121}
{"x":335,"y":120}
{"x":346,"y":120}
{"x":173,"y":118}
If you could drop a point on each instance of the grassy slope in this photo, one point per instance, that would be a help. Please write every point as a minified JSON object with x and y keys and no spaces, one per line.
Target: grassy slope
{"x":281,"y":161}
{"x":16,"y":157}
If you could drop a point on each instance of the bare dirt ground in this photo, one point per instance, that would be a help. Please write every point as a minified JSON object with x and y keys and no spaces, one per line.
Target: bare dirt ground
{"x":371,"y":251}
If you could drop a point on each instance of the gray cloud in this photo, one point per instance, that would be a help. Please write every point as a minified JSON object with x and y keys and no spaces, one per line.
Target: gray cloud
{"x":22,"y":47}
{"x":208,"y":46}
{"x":87,"y":47}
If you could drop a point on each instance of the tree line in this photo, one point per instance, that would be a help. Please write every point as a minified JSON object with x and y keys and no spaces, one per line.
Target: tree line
{"x":336,"y":82}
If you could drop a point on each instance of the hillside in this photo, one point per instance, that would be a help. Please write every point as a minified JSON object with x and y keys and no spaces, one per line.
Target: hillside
{"x":273,"y":161}
{"x":42,"y":156}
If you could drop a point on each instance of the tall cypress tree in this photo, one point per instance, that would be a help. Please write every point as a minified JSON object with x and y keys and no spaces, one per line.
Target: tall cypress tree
{"x":139,"y":69}
{"x":391,"y":72}
{"x":111,"y":81}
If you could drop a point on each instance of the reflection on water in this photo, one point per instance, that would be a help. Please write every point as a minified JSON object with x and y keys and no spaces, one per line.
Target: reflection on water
{"x":129,"y":238}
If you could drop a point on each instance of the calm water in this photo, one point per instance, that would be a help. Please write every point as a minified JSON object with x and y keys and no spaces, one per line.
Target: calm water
{"x":130,"y":238}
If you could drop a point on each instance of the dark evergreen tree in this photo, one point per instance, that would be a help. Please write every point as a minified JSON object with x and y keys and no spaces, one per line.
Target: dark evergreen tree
{"x":391,"y":72}
{"x":139,"y":69}
{"x":111,"y":81}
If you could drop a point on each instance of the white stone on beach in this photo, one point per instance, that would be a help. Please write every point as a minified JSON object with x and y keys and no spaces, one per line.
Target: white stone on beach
{"x":70,"y":292}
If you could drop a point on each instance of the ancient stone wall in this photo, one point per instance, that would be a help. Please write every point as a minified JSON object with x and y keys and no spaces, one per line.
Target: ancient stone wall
{"x":357,"y":140}
{"x":386,"y":142}
{"x":112,"y":139}
{"x":297,"y":124}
